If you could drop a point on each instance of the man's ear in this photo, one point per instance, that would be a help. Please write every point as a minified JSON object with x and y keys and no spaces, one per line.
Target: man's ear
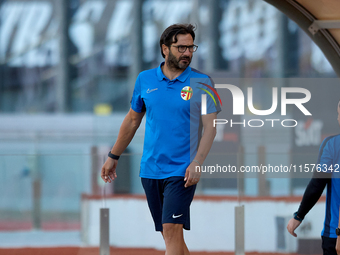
{"x":165,"y":50}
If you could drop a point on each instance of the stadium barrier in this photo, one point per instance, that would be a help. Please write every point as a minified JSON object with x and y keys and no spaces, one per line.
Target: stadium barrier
{"x":212,"y":223}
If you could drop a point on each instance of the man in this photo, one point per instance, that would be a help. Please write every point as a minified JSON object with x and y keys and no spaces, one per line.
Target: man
{"x":172,"y":144}
{"x":326,"y":173}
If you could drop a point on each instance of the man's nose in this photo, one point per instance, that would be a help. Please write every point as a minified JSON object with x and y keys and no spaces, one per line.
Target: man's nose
{"x":187,"y":52}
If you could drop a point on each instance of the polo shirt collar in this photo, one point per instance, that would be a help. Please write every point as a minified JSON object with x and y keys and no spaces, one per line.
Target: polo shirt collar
{"x":182,"y":77}
{"x":160,"y":73}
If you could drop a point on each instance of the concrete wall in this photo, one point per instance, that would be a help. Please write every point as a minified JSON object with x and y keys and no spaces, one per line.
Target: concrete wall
{"x":212,"y":223}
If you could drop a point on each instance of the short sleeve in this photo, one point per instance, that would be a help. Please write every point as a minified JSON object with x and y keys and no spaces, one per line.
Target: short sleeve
{"x":137,"y":103}
{"x":213,"y":100}
{"x":326,"y":156}
{"x":325,"y":159}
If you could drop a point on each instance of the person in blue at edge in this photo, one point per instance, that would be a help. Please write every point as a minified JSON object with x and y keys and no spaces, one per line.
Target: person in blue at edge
{"x":172,"y":106}
{"x":328,"y":174}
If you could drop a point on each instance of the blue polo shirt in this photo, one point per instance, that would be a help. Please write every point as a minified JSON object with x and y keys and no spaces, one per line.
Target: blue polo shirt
{"x":173,"y":119}
{"x":329,"y":160}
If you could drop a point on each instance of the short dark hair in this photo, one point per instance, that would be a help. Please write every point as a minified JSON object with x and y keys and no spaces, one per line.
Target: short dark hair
{"x":169,"y":35}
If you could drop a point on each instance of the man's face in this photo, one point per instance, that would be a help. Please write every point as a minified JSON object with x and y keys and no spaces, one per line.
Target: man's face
{"x":176,"y":60}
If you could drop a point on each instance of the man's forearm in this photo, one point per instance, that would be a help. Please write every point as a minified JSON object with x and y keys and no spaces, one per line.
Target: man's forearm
{"x":126,"y":133}
{"x":339,"y":220}
{"x":311,"y":196}
{"x":205,"y":144}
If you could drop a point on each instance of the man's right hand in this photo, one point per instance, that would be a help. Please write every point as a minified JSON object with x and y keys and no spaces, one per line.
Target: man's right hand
{"x":337,"y":246}
{"x":108,"y":172}
{"x":292,"y":225}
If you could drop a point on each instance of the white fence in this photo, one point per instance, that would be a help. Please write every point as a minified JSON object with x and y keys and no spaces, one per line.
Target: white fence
{"x":212,"y":223}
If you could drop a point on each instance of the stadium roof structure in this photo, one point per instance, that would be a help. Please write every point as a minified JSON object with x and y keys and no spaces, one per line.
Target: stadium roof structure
{"x":320,"y":19}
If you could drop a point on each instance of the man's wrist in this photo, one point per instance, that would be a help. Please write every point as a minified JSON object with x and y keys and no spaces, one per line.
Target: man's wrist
{"x":337,"y":231}
{"x":195,"y":160}
{"x":298,"y":218}
{"x":113,"y":156}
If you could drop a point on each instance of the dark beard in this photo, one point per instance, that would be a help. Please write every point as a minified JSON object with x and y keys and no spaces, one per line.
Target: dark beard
{"x":173,"y":63}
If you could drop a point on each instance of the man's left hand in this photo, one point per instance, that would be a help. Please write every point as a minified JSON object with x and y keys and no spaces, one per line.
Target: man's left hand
{"x":192,"y":176}
{"x":337,"y":246}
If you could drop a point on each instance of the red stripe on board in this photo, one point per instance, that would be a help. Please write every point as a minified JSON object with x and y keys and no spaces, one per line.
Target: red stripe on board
{"x":113,"y":250}
{"x":15,"y":225}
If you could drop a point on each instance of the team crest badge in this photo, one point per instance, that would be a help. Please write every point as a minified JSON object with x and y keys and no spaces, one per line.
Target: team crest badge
{"x":186,"y":93}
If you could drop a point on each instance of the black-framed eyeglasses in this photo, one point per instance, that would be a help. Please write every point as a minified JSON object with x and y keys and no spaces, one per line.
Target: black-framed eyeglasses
{"x":183,"y":48}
